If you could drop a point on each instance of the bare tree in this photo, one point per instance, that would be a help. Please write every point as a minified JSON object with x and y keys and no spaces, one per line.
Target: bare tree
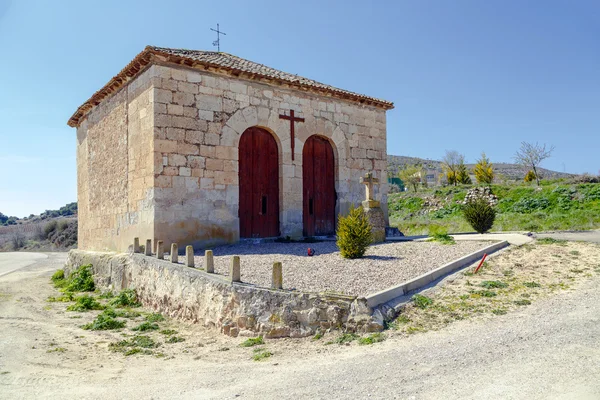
{"x":531,"y":156}
{"x":450,"y":164}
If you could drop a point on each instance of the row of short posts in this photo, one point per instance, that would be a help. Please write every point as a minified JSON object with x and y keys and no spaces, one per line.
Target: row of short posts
{"x":209,"y":264}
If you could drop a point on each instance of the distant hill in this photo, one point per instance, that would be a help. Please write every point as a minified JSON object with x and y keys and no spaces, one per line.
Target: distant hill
{"x":509,"y":171}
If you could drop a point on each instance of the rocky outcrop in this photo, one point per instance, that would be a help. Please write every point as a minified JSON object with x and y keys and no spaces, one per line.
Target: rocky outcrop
{"x":212,"y":300}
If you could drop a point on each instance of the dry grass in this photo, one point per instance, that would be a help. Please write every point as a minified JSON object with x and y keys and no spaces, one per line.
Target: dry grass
{"x":507,"y":282}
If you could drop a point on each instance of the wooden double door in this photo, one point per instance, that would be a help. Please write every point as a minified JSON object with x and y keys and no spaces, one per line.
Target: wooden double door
{"x":319,"y":196}
{"x":259,"y":184}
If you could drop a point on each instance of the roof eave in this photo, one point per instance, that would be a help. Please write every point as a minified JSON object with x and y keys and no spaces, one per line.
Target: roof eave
{"x":146,"y":57}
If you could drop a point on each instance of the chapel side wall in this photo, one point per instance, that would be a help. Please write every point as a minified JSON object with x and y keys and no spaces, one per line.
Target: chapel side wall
{"x":115,"y":172}
{"x":199,"y":118}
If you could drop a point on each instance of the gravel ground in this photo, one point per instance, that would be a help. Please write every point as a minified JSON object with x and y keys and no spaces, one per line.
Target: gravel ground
{"x":385,"y":265}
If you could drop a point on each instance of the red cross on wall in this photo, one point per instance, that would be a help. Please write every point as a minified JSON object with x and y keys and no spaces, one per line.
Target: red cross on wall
{"x":292,"y":119}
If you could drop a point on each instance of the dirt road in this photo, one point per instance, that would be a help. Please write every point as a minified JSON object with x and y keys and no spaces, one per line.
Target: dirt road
{"x":549,"y":350}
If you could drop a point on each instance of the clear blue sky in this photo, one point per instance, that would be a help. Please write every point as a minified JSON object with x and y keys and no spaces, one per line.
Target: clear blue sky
{"x":469,"y":75}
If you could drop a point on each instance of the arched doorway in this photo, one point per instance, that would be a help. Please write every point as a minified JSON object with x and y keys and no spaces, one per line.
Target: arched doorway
{"x":319,"y":196}
{"x":259,"y":184}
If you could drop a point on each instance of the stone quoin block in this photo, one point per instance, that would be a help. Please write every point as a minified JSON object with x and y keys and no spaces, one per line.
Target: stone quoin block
{"x":136,"y":245}
{"x":148,"y":248}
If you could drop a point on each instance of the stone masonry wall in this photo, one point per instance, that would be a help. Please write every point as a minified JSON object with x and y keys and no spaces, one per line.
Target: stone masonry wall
{"x":115,"y":169}
{"x":199,"y":118}
{"x":235,"y":309}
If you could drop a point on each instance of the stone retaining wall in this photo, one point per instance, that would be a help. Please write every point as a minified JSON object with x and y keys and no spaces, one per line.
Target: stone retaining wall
{"x":214,"y":301}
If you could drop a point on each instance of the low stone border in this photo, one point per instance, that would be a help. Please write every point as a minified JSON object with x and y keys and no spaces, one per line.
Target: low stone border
{"x":234,"y":308}
{"x":384,"y":296}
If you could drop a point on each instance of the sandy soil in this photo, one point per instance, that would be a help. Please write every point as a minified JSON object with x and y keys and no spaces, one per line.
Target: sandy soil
{"x":383,"y":266}
{"x":550,"y":349}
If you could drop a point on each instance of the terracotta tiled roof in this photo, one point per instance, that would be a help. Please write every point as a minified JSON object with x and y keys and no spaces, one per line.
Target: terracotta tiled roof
{"x":211,"y":60}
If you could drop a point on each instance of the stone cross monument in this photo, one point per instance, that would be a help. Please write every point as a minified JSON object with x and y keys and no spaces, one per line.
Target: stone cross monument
{"x":373,"y":209}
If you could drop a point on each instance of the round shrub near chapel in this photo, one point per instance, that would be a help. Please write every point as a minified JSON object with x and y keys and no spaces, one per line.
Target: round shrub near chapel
{"x":354,"y":233}
{"x":479,"y":214}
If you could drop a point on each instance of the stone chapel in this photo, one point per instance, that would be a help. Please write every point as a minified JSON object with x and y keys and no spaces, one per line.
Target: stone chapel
{"x":206,"y":148}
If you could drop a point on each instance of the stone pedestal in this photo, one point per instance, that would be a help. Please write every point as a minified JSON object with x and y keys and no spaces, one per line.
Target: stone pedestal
{"x":376,"y":219}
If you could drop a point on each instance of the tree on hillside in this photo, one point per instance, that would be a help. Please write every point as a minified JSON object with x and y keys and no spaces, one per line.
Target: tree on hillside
{"x":411,"y":175}
{"x":462,"y":173}
{"x":484,"y":170}
{"x":450,"y":164}
{"x":531,"y":156}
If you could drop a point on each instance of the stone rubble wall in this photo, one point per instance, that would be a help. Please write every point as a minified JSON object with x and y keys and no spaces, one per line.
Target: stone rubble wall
{"x":213,"y":301}
{"x":115,"y":169}
{"x":199,"y":118}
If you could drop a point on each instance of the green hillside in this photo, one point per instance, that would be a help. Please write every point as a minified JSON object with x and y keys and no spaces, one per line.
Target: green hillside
{"x":556,"y":205}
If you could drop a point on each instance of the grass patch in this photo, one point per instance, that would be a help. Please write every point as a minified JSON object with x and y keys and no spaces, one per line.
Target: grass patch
{"x":373,"y":338}
{"x":483,"y":293}
{"x":175,"y":339}
{"x":252,"y":342}
{"x":574,"y":253}
{"x":318,"y":336}
{"x":493,"y":284}
{"x":346,"y":338}
{"x":261,"y":354}
{"x":155,"y":317}
{"x":499,"y":311}
{"x":106,"y":295}
{"x":531,"y":284}
{"x":146,"y":326}
{"x":442,"y":238}
{"x":126,"y":298}
{"x":134,"y":345}
{"x":549,"y":240}
{"x":522,"y":302}
{"x":422,"y":301}
{"x":104,"y":322}
{"x":57,"y":350}
{"x":168,"y":332}
{"x":85,"y":303}
{"x":67,"y":297}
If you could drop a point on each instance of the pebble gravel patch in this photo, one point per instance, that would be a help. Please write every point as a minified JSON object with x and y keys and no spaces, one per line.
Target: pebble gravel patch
{"x":383,"y":266}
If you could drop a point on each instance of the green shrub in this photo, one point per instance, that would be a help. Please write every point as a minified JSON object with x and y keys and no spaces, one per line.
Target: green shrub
{"x":146,"y":326}
{"x":49,"y":228}
{"x":493,"y":284}
{"x":354,"y":233}
{"x":81,"y":280}
{"x":62,"y":225}
{"x":252,"y":342}
{"x":127,"y":298}
{"x":104,"y":322}
{"x":373,"y":338}
{"x":479,"y":214}
{"x":156,"y":317}
{"x":85,"y":303}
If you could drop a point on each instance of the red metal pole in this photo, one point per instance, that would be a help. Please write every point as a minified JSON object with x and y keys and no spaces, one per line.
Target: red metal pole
{"x":481,"y":263}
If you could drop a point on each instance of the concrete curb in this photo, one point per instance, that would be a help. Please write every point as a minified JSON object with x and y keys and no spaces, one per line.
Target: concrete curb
{"x":376,"y":299}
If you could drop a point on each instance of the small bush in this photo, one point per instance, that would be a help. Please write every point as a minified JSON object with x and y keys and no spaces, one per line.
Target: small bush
{"x":346,"y":338}
{"x":261,"y":354}
{"x":479,"y":214}
{"x":85,"y":303}
{"x":50,"y":228}
{"x":168,"y":332}
{"x":422,"y":301}
{"x":532,"y":284}
{"x":81,"y":280}
{"x":18,"y":240}
{"x":128,"y":347}
{"x":353,"y":233}
{"x":62,"y":225}
{"x":146,"y":326}
{"x":104,"y":322}
{"x":58,"y":278}
{"x":175,"y":339}
{"x":127,"y":298}
{"x":252,"y":342}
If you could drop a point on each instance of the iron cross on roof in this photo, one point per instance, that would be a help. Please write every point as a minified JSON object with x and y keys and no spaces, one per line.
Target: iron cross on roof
{"x":369,"y":181}
{"x":218,"y":41}
{"x":292,"y":119}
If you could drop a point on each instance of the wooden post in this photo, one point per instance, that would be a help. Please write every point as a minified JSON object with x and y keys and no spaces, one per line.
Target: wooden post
{"x":189,"y":256}
{"x":160,"y":250}
{"x":148,"y":248}
{"x":174,"y":253}
{"x":136,"y":245}
{"x":234,"y":271}
{"x":209,"y":263}
{"x":277,"y":280}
